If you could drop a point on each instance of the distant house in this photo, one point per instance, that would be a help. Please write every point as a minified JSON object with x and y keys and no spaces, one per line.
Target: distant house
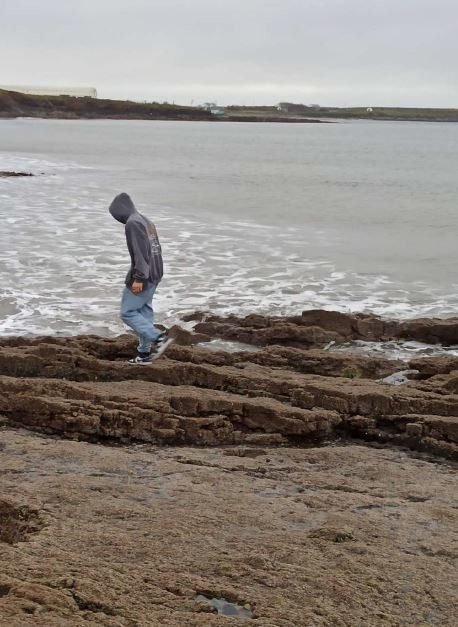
{"x":370,"y":110}
{"x":213,"y":108}
{"x":283,"y":107}
{"x":208,"y":106}
{"x":88,"y":92}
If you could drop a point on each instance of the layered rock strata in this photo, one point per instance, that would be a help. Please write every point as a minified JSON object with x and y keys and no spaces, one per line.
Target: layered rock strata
{"x":290,"y":392}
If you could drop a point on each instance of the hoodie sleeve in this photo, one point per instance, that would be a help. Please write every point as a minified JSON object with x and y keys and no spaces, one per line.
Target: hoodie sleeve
{"x":139,"y":250}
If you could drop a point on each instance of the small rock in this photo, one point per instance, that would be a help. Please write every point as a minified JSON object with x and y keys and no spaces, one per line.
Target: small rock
{"x":414,"y":429}
{"x":6,"y":174}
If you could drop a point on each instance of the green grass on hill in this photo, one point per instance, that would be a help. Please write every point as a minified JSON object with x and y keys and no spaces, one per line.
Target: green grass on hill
{"x":15,"y":104}
{"x":378,"y":113}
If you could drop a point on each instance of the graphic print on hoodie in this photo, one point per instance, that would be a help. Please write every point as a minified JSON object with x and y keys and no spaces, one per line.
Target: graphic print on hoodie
{"x":142,"y":242}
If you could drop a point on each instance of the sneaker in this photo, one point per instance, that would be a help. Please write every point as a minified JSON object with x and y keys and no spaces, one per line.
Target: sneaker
{"x":142,"y":361}
{"x":160,"y":345}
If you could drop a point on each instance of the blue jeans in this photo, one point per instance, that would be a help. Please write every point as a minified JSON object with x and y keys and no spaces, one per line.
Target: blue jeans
{"x":137,"y":312}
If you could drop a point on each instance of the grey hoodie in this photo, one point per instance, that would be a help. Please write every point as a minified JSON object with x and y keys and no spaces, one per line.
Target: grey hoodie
{"x":142,"y":242}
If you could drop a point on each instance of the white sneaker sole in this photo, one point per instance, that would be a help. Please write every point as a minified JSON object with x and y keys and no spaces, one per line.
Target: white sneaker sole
{"x":160,"y":351}
{"x":139,"y":363}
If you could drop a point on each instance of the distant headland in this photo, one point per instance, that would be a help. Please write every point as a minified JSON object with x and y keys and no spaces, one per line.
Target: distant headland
{"x":15,"y":104}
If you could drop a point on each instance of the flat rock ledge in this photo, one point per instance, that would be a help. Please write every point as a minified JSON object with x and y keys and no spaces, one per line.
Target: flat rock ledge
{"x":288,"y":393}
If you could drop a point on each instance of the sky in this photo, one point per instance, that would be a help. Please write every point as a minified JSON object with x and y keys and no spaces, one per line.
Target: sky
{"x":328,"y":52}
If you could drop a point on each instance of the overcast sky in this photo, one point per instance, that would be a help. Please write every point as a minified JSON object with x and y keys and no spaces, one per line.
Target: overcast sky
{"x":336,"y":52}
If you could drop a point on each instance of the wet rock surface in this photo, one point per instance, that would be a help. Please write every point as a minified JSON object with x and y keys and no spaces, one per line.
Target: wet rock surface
{"x":130,"y":536}
{"x":17,"y":522}
{"x":8,"y":174}
{"x":314,"y":327}
{"x":82,"y":387}
{"x":279,"y":513}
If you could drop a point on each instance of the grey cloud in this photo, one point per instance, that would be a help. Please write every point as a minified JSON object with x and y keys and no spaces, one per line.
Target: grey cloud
{"x":331,"y":51}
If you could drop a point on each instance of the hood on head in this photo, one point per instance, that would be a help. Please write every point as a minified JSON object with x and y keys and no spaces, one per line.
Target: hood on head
{"x":122,"y":207}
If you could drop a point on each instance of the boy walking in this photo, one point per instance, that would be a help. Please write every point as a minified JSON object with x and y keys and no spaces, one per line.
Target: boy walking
{"x":144,"y":276}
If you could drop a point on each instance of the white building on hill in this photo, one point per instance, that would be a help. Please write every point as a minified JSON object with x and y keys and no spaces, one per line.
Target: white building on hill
{"x":90,"y":92}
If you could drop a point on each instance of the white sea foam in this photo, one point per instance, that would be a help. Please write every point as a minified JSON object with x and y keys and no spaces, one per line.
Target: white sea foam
{"x":63,"y":258}
{"x":402,"y":350}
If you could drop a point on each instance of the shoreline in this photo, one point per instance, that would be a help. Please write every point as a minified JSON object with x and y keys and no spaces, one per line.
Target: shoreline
{"x":231,"y":119}
{"x":16,"y":104}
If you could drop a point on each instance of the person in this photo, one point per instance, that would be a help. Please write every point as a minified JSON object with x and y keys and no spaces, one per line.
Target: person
{"x":141,"y":282}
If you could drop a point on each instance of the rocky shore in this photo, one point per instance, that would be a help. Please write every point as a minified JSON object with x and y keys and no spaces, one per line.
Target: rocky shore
{"x":271,"y":118}
{"x":290,"y":482}
{"x":290,"y":392}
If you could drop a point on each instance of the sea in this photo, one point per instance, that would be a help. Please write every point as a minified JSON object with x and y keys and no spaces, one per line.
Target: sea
{"x":271,"y":218}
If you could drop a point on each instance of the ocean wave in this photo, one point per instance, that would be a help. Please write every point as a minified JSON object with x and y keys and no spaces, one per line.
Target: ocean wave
{"x":63,"y":261}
